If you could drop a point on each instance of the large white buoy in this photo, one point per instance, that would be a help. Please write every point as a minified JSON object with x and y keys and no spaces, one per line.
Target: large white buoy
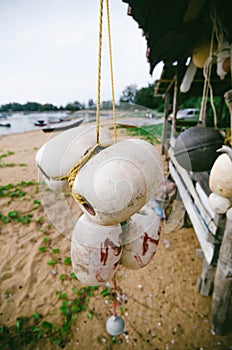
{"x":60,"y":153}
{"x":220,"y":179}
{"x":119,"y":180}
{"x":95,"y":251}
{"x":140,"y":238}
{"x":218,"y":203}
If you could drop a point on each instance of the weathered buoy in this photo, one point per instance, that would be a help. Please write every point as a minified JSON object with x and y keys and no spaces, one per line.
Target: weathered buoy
{"x":196,"y":148}
{"x":201,"y":53}
{"x":140,"y":238}
{"x":60,"y":153}
{"x":95,"y":251}
{"x":115,"y":325}
{"x":119,"y":180}
{"x":220,"y":179}
{"x":223,"y":59}
{"x":218,"y":203}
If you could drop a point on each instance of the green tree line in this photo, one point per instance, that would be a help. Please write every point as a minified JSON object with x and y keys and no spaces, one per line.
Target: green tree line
{"x":130,"y":95}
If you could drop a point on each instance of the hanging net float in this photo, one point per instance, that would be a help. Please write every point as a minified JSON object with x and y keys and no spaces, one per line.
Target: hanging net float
{"x":63,"y":151}
{"x":119,"y":181}
{"x":140,"y":238}
{"x":196,"y":148}
{"x":95,"y":251}
{"x":219,"y":204}
{"x":112,"y":182}
{"x":220,"y":179}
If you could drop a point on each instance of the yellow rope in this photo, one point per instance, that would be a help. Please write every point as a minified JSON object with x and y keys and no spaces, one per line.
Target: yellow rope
{"x":97,"y":147}
{"x":99,"y":72}
{"x":111,"y":70}
{"x":71,"y":175}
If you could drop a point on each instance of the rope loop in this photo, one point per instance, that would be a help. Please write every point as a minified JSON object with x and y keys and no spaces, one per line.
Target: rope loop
{"x":71,"y":175}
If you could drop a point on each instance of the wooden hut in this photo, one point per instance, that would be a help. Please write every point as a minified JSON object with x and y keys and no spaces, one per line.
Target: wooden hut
{"x":179,"y":33}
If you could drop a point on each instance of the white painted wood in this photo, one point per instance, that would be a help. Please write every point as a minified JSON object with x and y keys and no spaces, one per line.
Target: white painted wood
{"x":198,"y":224}
{"x":208,"y":219}
{"x":204,"y":198}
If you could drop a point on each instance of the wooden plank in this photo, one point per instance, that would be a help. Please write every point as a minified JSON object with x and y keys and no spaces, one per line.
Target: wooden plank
{"x":209,"y":220}
{"x":199,"y":227}
{"x":203,"y":179}
{"x":204,"y":199}
{"x":205,"y":281}
{"x":223,"y":283}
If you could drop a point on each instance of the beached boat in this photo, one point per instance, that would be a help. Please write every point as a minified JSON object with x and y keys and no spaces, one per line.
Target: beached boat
{"x":64,"y":125}
{"x":40,"y":122}
{"x":6,"y":125}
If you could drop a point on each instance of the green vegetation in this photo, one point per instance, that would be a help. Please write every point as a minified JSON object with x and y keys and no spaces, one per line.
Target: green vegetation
{"x":142,"y":97}
{"x":151,"y":133}
{"x":5,"y":165}
{"x":130,"y":95}
{"x":17,"y":190}
{"x":28,"y":331}
{"x":16,"y":216}
{"x":58,"y":325}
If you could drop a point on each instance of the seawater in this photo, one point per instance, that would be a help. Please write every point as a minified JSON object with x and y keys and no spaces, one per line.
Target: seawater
{"x":25,"y":122}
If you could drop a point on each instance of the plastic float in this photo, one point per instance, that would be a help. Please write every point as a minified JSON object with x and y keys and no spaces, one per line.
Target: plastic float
{"x":60,"y":153}
{"x":95,"y":251}
{"x":219,"y":204}
{"x":119,"y":181}
{"x":220,"y":179}
{"x":111,"y":183}
{"x":223,"y":59}
{"x":140,"y":238}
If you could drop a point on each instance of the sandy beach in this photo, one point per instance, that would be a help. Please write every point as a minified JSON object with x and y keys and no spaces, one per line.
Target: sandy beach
{"x":159,"y":303}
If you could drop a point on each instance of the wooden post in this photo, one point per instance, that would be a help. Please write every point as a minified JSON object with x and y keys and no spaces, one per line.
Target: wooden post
{"x":174,"y":111}
{"x":205,"y":282}
{"x":165,"y":125}
{"x":223,"y":283}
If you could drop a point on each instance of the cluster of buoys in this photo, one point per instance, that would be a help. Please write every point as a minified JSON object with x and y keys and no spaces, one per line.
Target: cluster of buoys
{"x":221,"y":55}
{"x":220,"y":182}
{"x":118,"y":225}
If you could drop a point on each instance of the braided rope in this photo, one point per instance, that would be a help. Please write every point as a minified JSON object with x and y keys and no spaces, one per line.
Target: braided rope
{"x":71,"y":175}
{"x":99,"y":72}
{"x":97,"y":147}
{"x":111,"y":70}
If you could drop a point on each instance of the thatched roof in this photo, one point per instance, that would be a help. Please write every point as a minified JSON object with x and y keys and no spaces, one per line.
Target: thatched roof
{"x":173,"y":29}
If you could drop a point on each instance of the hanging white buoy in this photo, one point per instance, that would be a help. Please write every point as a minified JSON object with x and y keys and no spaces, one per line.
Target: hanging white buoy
{"x":220,"y":178}
{"x":218,"y":203}
{"x":188,"y":77}
{"x":60,"y":153}
{"x":115,"y":325}
{"x":223,"y":56}
{"x":95,"y":251}
{"x":119,"y":180}
{"x":140,"y":238}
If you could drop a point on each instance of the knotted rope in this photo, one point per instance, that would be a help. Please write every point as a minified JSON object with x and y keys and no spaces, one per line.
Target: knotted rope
{"x":71,"y":175}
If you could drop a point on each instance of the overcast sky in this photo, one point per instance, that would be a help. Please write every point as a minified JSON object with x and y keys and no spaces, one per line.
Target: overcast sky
{"x":48,"y":51}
